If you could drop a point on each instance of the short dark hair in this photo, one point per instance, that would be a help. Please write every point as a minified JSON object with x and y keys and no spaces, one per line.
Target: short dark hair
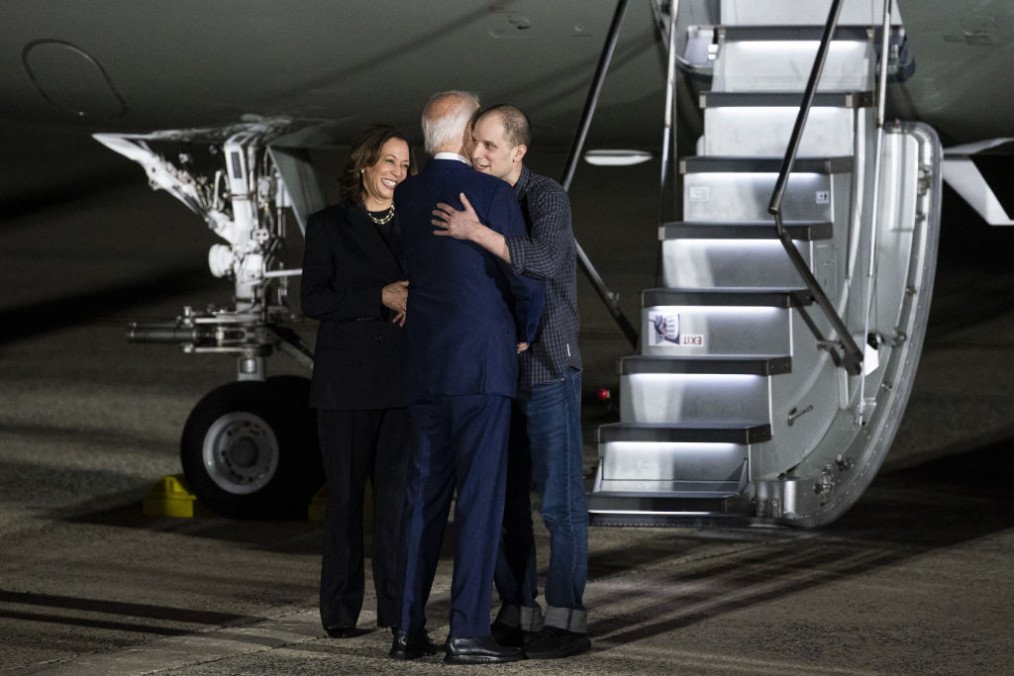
{"x":365,"y":152}
{"x":516,"y":125}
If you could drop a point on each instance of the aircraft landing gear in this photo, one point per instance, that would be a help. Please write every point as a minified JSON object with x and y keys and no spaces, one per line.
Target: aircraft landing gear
{"x":249,"y":449}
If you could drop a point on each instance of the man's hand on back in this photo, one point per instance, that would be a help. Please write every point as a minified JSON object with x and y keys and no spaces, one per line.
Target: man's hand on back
{"x":465,"y":224}
{"x":453,"y":223}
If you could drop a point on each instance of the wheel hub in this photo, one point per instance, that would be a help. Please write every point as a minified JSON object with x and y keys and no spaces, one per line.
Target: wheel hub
{"x":240,"y":452}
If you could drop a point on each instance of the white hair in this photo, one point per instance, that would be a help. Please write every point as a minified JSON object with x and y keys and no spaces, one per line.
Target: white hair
{"x":445,"y":118}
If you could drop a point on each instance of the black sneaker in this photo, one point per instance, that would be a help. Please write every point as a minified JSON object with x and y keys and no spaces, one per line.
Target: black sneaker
{"x":552,"y":643}
{"x":507,"y":635}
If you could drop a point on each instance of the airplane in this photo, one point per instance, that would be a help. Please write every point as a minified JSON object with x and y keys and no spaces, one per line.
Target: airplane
{"x":802,"y":147}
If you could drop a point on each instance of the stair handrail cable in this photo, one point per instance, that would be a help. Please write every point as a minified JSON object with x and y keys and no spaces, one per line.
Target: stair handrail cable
{"x":877,"y":162}
{"x":610,"y":299}
{"x":852,"y":359}
{"x":669,"y":116}
{"x":668,"y":159}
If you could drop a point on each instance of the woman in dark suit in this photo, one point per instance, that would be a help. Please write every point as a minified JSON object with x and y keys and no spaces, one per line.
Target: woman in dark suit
{"x":354,"y":283}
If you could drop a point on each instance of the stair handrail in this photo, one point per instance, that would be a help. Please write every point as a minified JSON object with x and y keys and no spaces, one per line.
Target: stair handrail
{"x":852,"y":359}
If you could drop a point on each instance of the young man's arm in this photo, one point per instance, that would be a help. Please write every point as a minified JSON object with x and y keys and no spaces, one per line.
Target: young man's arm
{"x":539,"y":254}
{"x":528,"y":293}
{"x":465,"y":225}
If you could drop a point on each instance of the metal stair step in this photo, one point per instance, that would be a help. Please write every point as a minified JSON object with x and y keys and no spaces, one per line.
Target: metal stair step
{"x":772,"y":165}
{"x":671,"y":459}
{"x":723,"y":189}
{"x":765,"y":131}
{"x":779,"y":59}
{"x":793,"y":12}
{"x":656,"y":511}
{"x":723,"y":387}
{"x":806,"y":231}
{"x":838,"y":99}
{"x":767,"y":365}
{"x":740,"y":321}
{"x":753,"y":297}
{"x":675,"y":433}
{"x":900,"y":65}
{"x":747,"y":255}
{"x":668,"y":459}
{"x":805,"y":33}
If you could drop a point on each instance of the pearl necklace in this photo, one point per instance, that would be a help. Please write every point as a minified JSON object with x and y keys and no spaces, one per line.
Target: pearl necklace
{"x":383,"y":219}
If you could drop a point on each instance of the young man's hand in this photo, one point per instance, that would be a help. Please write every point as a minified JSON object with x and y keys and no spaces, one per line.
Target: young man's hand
{"x":453,"y":223}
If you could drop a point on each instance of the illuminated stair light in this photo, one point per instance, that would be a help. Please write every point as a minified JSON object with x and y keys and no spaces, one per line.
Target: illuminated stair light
{"x":616,"y":158}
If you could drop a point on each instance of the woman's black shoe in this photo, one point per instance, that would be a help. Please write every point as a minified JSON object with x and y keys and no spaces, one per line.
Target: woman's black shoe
{"x":410,"y":646}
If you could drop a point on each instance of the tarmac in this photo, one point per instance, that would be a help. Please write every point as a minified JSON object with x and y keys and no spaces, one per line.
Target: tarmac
{"x":913,"y":580}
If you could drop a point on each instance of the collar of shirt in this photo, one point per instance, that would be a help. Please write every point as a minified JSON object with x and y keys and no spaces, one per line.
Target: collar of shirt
{"x":522,"y":183}
{"x":452,"y":156}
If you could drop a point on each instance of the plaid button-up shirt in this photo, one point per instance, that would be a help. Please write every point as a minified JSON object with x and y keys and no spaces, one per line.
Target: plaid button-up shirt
{"x":548,"y":253}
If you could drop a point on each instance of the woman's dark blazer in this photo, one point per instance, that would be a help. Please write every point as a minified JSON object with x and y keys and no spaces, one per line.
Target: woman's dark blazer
{"x":359,"y":355}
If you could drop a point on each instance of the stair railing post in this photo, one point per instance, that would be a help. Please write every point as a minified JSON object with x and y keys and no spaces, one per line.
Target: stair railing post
{"x":885,"y":42}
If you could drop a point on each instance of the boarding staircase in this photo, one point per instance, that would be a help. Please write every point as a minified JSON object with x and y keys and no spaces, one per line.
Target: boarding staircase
{"x":747,"y":403}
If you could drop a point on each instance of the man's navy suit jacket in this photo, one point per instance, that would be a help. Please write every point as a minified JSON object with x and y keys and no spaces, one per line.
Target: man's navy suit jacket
{"x":466,"y":310}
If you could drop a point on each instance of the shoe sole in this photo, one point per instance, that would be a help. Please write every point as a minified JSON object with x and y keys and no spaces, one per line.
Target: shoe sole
{"x":479,"y":659}
{"x":400,"y":655}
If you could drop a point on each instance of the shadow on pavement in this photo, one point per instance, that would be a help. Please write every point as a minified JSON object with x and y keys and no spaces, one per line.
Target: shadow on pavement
{"x":902,"y":515}
{"x":60,"y":609}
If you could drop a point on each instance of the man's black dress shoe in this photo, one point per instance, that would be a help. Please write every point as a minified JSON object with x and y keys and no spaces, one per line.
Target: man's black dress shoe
{"x":480,"y":650}
{"x":410,"y":646}
{"x":345,"y":632}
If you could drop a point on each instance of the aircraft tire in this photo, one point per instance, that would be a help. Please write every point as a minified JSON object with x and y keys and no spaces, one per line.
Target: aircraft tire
{"x":249,"y":449}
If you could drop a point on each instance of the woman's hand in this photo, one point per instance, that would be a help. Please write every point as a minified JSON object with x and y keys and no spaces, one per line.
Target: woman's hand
{"x":395,"y":297}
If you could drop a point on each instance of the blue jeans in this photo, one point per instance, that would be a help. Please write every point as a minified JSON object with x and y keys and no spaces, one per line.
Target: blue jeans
{"x":546,"y":450}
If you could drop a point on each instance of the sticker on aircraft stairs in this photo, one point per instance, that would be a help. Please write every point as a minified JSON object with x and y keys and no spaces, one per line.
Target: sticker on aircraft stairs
{"x":665,"y":330}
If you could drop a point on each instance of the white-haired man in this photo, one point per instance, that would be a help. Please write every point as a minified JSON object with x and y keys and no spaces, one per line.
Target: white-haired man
{"x":546,"y":444}
{"x":468,"y":317}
